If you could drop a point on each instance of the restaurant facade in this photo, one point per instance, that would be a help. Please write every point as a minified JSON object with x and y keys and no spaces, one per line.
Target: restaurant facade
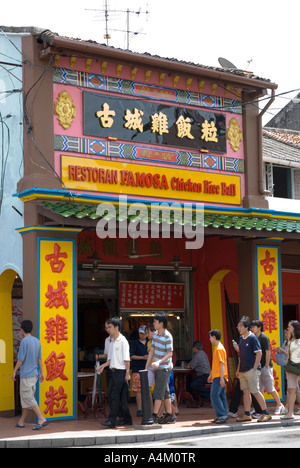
{"x":144,"y":191}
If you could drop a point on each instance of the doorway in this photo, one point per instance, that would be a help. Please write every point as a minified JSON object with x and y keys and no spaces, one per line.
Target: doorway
{"x":7,"y":401}
{"x":289,"y":312}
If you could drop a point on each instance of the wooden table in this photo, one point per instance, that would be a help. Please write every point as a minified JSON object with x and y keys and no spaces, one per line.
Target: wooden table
{"x":87,"y":406}
{"x":181,"y":373}
{"x":82,"y":376}
{"x":85,"y":375}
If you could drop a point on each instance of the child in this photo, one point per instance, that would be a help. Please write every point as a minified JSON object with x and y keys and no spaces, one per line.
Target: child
{"x":218,"y":378}
{"x":150,"y":330}
{"x":173,"y":399}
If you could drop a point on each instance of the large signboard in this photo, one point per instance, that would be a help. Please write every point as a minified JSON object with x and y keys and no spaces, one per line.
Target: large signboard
{"x":149,"y":181}
{"x":155,"y":123}
{"x":269,"y":310}
{"x":57,"y":327}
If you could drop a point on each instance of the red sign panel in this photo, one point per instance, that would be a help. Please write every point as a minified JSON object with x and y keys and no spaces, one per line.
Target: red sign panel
{"x":153,"y":296}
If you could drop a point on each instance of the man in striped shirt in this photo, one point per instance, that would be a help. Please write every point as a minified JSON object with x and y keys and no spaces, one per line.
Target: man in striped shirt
{"x":162,"y":351}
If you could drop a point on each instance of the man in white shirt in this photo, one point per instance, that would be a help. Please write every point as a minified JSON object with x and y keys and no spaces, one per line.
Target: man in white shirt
{"x":119,"y":363}
{"x":99,"y":356}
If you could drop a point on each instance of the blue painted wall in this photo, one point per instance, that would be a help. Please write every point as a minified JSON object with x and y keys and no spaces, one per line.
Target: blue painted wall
{"x":11,"y":151}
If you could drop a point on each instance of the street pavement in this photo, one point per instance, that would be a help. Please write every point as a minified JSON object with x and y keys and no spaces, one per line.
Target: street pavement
{"x":191,"y":422}
{"x":274,"y":437}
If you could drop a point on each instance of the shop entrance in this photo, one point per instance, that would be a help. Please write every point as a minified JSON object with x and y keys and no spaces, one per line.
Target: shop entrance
{"x":98,"y":299}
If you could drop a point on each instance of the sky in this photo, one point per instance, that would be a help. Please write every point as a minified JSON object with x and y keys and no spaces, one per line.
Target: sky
{"x":261,"y":36}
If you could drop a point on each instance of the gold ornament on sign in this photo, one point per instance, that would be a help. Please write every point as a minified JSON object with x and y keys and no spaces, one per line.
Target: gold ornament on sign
{"x":234,"y":134}
{"x":214,"y":88}
{"x":162,"y":78}
{"x":201,"y":85}
{"x":64,"y":109}
{"x":175,"y":81}
{"x":148,"y":74}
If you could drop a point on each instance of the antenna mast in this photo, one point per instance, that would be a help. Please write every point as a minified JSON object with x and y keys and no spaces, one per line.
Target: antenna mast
{"x":128,"y":12}
{"x":107,"y":36}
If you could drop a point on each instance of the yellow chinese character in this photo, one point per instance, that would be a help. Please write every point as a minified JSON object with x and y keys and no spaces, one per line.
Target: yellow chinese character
{"x":184,"y":128}
{"x":159,"y":123}
{"x":209,"y":131}
{"x":105,"y":116}
{"x":134,"y":120}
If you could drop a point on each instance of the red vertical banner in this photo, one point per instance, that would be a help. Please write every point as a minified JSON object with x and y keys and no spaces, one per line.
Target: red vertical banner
{"x":269,"y":307}
{"x":57,"y":327}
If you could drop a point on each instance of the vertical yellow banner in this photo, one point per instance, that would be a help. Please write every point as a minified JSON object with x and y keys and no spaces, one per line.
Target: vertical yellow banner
{"x":57,"y":327}
{"x":269,"y":310}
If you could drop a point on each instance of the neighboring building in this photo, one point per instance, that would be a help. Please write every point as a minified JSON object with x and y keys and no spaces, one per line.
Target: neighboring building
{"x":287,"y":118}
{"x":281,"y":154}
{"x":109,"y":135}
{"x":11,"y":209}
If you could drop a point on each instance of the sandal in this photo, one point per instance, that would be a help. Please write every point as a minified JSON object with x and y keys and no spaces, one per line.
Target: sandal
{"x":19,"y":427}
{"x":221,"y":420}
{"x":287,"y":416}
{"x":40,"y":426}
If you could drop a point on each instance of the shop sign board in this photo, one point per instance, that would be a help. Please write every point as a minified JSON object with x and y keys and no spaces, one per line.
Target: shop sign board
{"x":155,"y":123}
{"x":269,"y":307}
{"x":57,"y":327}
{"x":160,"y":182}
{"x":151,"y":296}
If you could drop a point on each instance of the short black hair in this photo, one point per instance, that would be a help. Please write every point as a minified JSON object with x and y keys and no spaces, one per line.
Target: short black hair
{"x":245,"y":321}
{"x":115,"y":321}
{"x":161,"y":317}
{"x":198,"y":345}
{"x":257,"y":323}
{"x":216,"y":333}
{"x":27,"y":326}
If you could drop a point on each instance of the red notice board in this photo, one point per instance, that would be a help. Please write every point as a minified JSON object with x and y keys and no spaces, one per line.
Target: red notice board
{"x":151,"y":296}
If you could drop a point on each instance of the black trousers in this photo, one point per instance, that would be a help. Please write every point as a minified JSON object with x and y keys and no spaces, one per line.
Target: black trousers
{"x":198,"y":385}
{"x":118,"y":401}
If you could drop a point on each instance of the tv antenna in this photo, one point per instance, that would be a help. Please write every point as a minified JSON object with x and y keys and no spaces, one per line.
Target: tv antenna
{"x":107,"y":13}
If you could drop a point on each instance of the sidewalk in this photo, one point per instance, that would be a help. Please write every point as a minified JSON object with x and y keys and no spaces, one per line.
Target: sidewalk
{"x":89,"y":432}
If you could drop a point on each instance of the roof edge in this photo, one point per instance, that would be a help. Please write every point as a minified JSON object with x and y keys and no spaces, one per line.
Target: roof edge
{"x":93,"y":48}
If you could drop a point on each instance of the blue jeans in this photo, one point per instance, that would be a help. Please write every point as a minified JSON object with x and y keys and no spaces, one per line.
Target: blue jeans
{"x":218,"y":399}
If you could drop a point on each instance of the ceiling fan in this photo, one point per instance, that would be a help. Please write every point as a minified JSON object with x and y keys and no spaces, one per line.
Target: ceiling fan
{"x":94,"y":265}
{"x":133,"y":252}
{"x":132,"y":255}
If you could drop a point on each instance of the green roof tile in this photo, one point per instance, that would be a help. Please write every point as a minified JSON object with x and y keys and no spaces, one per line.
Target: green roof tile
{"x":249,"y":223}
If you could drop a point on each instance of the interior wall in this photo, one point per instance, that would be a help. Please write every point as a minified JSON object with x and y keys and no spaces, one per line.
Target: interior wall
{"x":7,"y":398}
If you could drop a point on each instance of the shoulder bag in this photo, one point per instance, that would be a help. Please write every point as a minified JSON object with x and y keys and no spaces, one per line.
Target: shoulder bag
{"x":292,"y":367}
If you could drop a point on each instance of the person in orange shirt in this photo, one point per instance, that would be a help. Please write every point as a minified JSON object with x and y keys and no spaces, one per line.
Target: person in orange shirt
{"x":218,"y":378}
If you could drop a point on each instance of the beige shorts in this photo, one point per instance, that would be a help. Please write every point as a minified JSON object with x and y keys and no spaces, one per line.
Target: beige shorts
{"x":27,"y":392}
{"x":250,"y":380}
{"x":293,"y":380}
{"x":266,"y":381}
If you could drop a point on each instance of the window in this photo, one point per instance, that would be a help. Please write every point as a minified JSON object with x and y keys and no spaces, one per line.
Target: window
{"x":279,"y":180}
{"x":282,"y":182}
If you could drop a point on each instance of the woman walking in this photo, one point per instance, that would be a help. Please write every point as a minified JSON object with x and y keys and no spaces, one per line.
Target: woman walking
{"x":292,"y":368}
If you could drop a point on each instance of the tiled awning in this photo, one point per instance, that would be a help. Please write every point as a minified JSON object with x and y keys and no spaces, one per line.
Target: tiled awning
{"x":237,"y":222}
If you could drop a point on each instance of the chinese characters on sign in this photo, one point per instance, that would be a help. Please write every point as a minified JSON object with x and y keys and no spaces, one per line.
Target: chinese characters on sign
{"x":269,"y":303}
{"x":57,"y":327}
{"x":151,"y":296}
{"x":151,"y":122}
